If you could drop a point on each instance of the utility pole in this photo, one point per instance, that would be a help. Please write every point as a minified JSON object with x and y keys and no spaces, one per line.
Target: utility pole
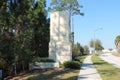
{"x":72,"y":34}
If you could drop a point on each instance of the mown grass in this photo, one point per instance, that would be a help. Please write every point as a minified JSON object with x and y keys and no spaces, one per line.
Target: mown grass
{"x":56,"y":74}
{"x":82,"y":57}
{"x":106,"y":71}
{"x":65,"y":74}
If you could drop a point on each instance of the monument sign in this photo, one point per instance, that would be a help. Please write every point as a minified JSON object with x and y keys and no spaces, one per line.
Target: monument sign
{"x":60,"y":49}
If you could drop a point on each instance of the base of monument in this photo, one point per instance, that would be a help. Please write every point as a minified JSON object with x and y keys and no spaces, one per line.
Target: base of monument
{"x":60,"y":51}
{"x":43,"y":65}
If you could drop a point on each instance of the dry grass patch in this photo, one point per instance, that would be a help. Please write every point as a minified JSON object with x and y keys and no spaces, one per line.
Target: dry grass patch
{"x":56,"y":74}
{"x":106,"y":71}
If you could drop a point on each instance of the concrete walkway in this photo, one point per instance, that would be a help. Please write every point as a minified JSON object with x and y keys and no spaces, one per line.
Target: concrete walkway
{"x":111,"y":59}
{"x":88,"y":71}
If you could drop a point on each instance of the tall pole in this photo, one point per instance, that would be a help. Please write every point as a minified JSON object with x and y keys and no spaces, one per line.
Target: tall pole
{"x":72,"y":24}
{"x":94,"y":41}
{"x":72,"y":30}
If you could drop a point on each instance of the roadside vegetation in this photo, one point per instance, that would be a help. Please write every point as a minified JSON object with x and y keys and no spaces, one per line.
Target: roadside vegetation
{"x":96,"y":44}
{"x":68,"y":71}
{"x":117,"y":43}
{"x":106,"y":71}
{"x":25,"y":33}
{"x":54,"y":74}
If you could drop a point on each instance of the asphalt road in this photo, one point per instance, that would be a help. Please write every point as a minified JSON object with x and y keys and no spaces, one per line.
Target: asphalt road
{"x":111,"y":59}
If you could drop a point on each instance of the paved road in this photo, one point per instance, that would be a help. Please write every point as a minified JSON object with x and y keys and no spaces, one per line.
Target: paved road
{"x":88,"y":71}
{"x":111,"y":59}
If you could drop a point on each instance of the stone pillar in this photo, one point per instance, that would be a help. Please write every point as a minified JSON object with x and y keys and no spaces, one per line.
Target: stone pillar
{"x":60,"y":49}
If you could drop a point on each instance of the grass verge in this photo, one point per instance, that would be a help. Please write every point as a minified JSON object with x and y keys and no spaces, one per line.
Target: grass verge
{"x":82,"y":58}
{"x":106,"y":71}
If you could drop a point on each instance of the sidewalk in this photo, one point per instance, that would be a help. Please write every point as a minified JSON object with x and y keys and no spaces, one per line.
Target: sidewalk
{"x":88,"y":71}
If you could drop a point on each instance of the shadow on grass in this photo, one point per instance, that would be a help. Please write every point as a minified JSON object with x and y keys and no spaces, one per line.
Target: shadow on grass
{"x":67,"y":74}
{"x":99,"y":63}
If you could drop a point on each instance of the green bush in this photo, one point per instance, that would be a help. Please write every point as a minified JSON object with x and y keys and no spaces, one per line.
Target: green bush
{"x":72,"y":64}
{"x":77,"y":59}
{"x":38,"y":59}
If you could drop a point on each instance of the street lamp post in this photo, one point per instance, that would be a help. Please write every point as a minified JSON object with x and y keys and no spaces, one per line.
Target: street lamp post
{"x":95,"y":37}
{"x":72,"y":33}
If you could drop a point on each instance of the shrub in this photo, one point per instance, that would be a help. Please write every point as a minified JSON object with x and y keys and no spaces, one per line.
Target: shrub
{"x":77,"y":59}
{"x":72,"y":64}
{"x":80,"y":58}
{"x":38,"y":59}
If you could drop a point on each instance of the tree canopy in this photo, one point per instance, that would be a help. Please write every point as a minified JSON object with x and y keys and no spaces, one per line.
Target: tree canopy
{"x":97,"y":45}
{"x":24,"y":33}
{"x":72,"y":6}
{"x":117,"y":39}
{"x":78,"y":50}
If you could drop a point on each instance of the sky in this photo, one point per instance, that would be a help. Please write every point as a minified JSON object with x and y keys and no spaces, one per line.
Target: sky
{"x":103,"y":14}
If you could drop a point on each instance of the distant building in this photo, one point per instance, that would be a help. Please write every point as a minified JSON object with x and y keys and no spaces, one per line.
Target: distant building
{"x":109,"y":51}
{"x":106,"y":51}
{"x":114,"y":51}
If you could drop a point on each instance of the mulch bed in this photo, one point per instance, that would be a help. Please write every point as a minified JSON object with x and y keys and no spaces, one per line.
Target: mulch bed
{"x":24,"y":74}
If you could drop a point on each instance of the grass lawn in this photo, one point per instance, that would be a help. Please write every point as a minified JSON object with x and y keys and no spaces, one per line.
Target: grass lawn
{"x":106,"y":71}
{"x":55,"y":74}
{"x":82,"y":58}
{"x":58,"y":74}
